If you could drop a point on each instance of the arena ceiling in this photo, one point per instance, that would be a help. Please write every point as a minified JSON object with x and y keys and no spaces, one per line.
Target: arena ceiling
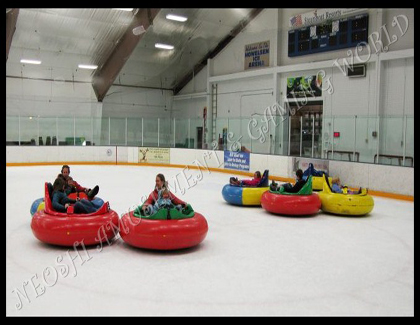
{"x":120,"y":43}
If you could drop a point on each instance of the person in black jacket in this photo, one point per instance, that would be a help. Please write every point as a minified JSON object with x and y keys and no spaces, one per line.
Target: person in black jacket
{"x":72,"y":186}
{"x":289,"y":188}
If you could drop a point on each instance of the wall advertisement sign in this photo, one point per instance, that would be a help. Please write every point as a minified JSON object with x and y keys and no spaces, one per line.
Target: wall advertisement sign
{"x":257,"y":55}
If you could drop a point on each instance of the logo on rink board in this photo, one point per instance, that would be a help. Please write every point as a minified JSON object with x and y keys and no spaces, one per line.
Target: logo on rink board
{"x":154,"y":155}
{"x":237,"y":160}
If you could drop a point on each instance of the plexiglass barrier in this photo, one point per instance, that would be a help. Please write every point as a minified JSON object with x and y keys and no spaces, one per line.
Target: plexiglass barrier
{"x":387,"y":140}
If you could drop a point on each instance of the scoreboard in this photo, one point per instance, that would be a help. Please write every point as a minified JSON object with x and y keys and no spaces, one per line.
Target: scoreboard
{"x":329,"y":36}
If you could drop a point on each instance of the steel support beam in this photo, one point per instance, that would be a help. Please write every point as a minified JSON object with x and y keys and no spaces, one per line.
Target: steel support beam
{"x":104,"y":76}
{"x":11,"y":19}
{"x":211,"y":54}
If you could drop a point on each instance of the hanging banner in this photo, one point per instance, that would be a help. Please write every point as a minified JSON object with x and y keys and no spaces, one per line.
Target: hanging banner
{"x":318,"y":16}
{"x":257,"y":55}
{"x":154,"y":155}
{"x":236,"y":160}
{"x":304,"y":86}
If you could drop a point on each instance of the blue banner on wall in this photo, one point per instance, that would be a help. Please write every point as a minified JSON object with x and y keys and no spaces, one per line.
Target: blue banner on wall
{"x":237,"y":160}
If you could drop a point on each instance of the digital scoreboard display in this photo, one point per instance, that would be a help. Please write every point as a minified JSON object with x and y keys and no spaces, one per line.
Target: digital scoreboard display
{"x":329,"y":36}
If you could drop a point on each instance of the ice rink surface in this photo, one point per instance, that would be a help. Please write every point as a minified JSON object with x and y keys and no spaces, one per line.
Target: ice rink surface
{"x":251,"y":262}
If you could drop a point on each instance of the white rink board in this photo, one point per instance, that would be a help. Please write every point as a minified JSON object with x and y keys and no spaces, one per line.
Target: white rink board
{"x":392,"y":179}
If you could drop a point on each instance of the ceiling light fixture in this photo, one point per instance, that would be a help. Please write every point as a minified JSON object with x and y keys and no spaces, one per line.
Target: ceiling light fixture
{"x":164,"y":46}
{"x":139,"y":30}
{"x":124,"y":9}
{"x":30,"y":61}
{"x":88,"y":66}
{"x":176,"y":17}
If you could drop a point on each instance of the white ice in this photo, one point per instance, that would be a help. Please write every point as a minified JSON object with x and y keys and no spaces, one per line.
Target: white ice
{"x":250,"y":263}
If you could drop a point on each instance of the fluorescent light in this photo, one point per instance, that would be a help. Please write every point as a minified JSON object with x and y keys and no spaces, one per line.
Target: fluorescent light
{"x":88,"y":66}
{"x":139,"y":30}
{"x":124,"y":9}
{"x":176,"y":17}
{"x":30,"y":61}
{"x":164,"y":46}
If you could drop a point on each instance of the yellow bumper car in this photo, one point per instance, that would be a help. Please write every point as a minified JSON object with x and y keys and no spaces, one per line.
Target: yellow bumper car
{"x":345,"y":204}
